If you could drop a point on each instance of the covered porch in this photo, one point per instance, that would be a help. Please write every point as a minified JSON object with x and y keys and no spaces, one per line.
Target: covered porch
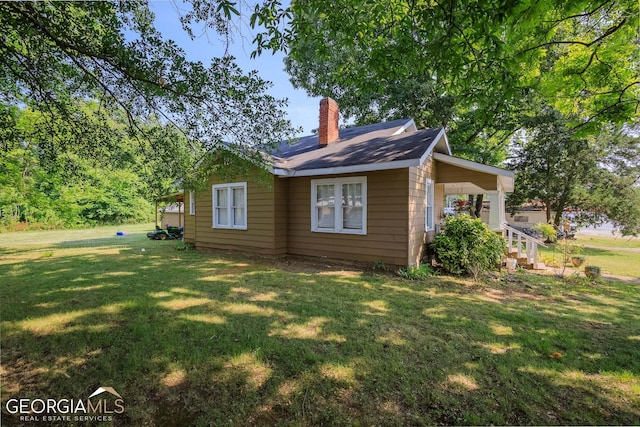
{"x":171,"y":207}
{"x":456,"y":176}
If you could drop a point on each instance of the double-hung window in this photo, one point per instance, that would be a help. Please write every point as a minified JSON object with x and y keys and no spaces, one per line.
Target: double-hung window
{"x":429,"y":211}
{"x":339,"y":205}
{"x":230,"y":205}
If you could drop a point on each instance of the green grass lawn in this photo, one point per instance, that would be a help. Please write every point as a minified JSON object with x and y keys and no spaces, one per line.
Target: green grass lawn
{"x":188,"y":338}
{"x":614,"y":255}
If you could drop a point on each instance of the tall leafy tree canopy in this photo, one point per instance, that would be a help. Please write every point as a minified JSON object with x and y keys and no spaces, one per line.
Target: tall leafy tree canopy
{"x":469,"y":65}
{"x":54,"y":54}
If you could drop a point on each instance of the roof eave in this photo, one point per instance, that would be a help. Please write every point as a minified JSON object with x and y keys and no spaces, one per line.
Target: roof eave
{"x":442,"y":143}
{"x":339,"y":170}
{"x":411,"y":124}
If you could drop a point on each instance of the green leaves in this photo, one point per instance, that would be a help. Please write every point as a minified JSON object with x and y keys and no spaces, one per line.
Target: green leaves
{"x":486,"y":60}
{"x":467,"y":246}
{"x":595,"y":176}
{"x":227,"y":8}
{"x":53,"y":176}
{"x":53,"y":54}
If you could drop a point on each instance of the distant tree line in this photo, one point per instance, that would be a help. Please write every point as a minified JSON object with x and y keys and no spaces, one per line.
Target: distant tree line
{"x":53,"y":176}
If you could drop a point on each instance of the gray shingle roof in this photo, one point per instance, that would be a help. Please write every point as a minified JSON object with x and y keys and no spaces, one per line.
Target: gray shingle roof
{"x":362,"y":145}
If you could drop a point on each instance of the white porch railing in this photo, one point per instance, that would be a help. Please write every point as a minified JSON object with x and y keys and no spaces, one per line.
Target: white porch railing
{"x":515,"y":241}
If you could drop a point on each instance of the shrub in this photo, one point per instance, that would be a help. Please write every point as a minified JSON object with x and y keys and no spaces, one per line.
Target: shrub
{"x":548,"y":232}
{"x":416,"y":273}
{"x":592,"y":272}
{"x":380,"y":266}
{"x":468,"y":246}
{"x":578,"y":260}
{"x":183,"y":246}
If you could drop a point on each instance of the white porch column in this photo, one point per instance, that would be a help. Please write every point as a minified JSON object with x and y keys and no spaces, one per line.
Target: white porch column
{"x":502,"y":215}
{"x":496,"y":209}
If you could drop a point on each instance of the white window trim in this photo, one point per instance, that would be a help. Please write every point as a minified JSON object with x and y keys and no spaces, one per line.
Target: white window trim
{"x":229,"y":188}
{"x":192,"y":203}
{"x":429,"y":196}
{"x":337,"y":183}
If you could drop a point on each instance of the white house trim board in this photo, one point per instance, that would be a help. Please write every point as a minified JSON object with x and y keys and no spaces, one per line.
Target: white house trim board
{"x":462,"y":188}
{"x":506,"y":184}
{"x":426,"y":155}
{"x":444,"y":144}
{"x":429,"y":212}
{"x":441,"y":142}
{"x":406,"y":126}
{"x":495,"y":219}
{"x":285,"y":173}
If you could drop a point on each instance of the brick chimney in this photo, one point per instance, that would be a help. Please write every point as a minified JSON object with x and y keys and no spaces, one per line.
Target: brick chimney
{"x":328,"y":130}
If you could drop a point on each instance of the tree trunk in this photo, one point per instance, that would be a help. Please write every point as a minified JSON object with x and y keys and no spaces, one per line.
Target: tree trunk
{"x":470,"y":204}
{"x":562,"y":203}
{"x":479,"y":200}
{"x":558,"y":218}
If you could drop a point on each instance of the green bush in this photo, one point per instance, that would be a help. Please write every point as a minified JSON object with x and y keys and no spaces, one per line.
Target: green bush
{"x":467,"y":246}
{"x":416,"y":273}
{"x":592,"y":272}
{"x":547,"y":230}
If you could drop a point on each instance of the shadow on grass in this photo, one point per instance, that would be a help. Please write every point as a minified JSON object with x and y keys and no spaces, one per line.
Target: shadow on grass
{"x":194,"y":339}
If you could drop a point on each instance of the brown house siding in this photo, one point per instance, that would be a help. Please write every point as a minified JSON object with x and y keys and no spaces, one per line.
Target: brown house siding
{"x":439,"y":205}
{"x":264,"y":227}
{"x":417,"y":194}
{"x":281,"y":215}
{"x":387,"y":230}
{"x":189,"y":220}
{"x":279,"y":219}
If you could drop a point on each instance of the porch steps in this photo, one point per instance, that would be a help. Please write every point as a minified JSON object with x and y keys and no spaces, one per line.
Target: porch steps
{"x":522,"y":247}
{"x":524,"y":261}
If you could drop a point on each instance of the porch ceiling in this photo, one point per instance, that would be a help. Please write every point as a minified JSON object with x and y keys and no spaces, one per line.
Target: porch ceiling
{"x":476,"y":177}
{"x":463,"y":188}
{"x":176,"y":197}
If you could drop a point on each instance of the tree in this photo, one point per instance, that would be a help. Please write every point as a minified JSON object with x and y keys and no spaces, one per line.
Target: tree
{"x":99,"y":176}
{"x":53,"y":54}
{"x":470,"y":66}
{"x":613,"y":192}
{"x":597,"y":177}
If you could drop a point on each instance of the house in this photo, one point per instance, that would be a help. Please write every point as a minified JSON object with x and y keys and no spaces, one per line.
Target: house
{"x":367,"y":193}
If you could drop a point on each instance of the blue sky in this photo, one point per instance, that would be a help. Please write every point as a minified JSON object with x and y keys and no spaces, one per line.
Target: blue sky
{"x":302,"y":110}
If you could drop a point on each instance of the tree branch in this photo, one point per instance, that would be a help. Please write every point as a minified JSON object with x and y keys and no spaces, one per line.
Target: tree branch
{"x":606,"y":34}
{"x":580,"y":15}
